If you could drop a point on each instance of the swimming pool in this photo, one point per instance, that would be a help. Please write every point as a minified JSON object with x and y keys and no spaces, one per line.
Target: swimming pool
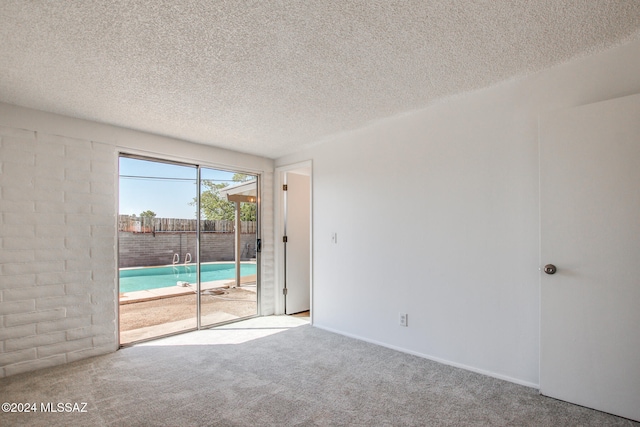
{"x":139,"y":279}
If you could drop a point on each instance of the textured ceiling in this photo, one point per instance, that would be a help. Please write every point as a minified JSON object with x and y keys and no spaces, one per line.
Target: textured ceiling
{"x":267,"y":77}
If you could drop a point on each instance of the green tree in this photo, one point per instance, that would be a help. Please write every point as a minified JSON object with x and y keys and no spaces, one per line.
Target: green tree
{"x":241,"y":177}
{"x":147,"y":218}
{"x":248,"y":211}
{"x":214,"y":206}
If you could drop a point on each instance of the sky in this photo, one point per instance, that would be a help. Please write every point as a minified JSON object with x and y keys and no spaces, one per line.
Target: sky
{"x":164,"y":188}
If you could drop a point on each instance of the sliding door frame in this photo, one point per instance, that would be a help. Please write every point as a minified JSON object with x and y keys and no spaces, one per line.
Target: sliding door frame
{"x":152,"y":157}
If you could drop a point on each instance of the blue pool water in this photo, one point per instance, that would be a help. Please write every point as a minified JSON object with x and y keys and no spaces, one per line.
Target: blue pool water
{"x":139,"y":279}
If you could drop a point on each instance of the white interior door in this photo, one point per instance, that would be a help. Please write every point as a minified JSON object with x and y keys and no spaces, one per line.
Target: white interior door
{"x":590,"y":230}
{"x":298,"y":246}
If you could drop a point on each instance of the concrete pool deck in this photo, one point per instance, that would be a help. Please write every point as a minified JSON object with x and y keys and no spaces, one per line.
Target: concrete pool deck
{"x":173,"y":291}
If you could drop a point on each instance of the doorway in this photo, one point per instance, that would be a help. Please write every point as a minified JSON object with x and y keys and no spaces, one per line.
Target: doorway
{"x":295,"y":244}
{"x":187,"y":247}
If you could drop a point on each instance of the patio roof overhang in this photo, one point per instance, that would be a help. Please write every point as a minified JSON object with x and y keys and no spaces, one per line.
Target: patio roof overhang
{"x":246,"y":192}
{"x":243,"y":192}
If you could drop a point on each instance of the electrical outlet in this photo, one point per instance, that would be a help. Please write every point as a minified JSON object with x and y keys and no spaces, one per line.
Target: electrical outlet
{"x":404,"y":319}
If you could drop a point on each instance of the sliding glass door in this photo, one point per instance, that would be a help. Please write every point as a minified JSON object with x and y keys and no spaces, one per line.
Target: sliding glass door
{"x":187,"y":247}
{"x":228,"y":236}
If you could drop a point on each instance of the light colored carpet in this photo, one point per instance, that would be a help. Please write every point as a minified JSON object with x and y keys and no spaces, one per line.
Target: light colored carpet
{"x":282,"y":372}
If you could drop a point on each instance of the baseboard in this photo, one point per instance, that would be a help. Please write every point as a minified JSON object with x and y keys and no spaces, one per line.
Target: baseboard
{"x":433,"y":358}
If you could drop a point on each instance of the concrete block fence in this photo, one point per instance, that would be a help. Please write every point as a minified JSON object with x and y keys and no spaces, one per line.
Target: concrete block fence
{"x":149,"y":249}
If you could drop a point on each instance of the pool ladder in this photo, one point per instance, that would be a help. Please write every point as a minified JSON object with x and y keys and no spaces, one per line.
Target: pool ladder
{"x":176,"y":270}
{"x":176,"y":258}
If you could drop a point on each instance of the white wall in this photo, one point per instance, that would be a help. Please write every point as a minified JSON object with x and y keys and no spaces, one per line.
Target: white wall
{"x":58,"y":210}
{"x":437,"y":216}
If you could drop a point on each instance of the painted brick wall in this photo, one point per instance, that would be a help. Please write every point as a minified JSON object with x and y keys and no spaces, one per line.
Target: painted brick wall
{"x":146,"y":249}
{"x":57,"y":263}
{"x":267,"y":258}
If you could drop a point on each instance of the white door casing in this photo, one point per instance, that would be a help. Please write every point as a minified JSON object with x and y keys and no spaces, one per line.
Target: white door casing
{"x":298,"y":246}
{"x":590,"y":230}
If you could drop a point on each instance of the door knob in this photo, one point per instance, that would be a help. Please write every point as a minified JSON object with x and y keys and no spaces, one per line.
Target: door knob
{"x":550,"y":269}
